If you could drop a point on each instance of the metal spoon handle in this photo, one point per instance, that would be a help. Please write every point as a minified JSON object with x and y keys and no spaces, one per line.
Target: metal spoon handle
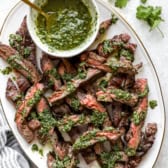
{"x":36,"y":8}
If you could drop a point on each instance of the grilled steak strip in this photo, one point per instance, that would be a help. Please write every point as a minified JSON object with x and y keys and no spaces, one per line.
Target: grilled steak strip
{"x":119,"y":45}
{"x":104,"y":26}
{"x":25,"y":131}
{"x":68,"y":122}
{"x":42,"y":105}
{"x":139,"y":115}
{"x":18,"y":63}
{"x":12,"y":92}
{"x":92,"y":137}
{"x":32,"y":97}
{"x":22,"y":82}
{"x":22,"y":42}
{"x":71,"y":87}
{"x":50,"y":160}
{"x":50,"y":71}
{"x":118,"y":95}
{"x":90,"y":102}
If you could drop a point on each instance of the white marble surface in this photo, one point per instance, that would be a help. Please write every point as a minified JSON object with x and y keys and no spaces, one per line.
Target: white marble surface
{"x":153,"y":41}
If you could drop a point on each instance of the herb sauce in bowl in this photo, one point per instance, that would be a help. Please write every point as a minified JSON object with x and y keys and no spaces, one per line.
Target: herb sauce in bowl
{"x":70,"y":22}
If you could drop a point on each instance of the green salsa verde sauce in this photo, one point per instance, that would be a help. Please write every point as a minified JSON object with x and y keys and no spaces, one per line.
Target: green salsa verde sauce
{"x":70,"y":24}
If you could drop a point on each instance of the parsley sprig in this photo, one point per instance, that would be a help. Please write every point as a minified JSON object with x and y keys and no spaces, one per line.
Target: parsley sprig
{"x":151,"y":15}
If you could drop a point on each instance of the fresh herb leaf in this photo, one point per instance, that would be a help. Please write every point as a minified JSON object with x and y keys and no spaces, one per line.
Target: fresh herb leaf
{"x":114,"y":19}
{"x":34,"y":147}
{"x":6,"y":71}
{"x":41,"y":152}
{"x":151,"y":15}
{"x":152,"y":104}
{"x":26,"y":51}
{"x":121,"y":3}
{"x":107,"y":47}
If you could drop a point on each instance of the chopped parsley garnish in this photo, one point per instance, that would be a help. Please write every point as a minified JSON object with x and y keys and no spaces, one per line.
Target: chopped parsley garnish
{"x":75,"y":104}
{"x":50,"y":82}
{"x":26,"y":52}
{"x":144,"y":93}
{"x":13,"y":61}
{"x":81,"y":71}
{"x":35,"y":99}
{"x":6,"y":71}
{"x":97,"y":118}
{"x":109,"y":159}
{"x":23,"y":113}
{"x":41,"y":152}
{"x":151,"y":15}
{"x":33,"y":115}
{"x":103,"y":84}
{"x":66,"y":162}
{"x":114,"y":19}
{"x":130,"y":152}
{"x":67,"y":123}
{"x":67,"y":77}
{"x":107,"y":47}
{"x":47,"y":122}
{"x":35,"y":148}
{"x":127,"y":54}
{"x":81,"y":74}
{"x":153,"y":104}
{"x":138,"y":117}
{"x":70,"y":87}
{"x":13,"y":38}
{"x":54,"y":73}
{"x":121,"y":94}
{"x":87,"y":139}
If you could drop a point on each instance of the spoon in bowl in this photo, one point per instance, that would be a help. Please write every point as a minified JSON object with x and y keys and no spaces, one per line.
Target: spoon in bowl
{"x":47,"y":16}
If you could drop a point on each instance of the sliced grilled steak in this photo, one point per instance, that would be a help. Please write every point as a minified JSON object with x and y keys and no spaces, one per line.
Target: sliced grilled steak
{"x":50,"y":160}
{"x":20,"y":64}
{"x":25,"y":131}
{"x":25,"y":46}
{"x":12,"y":92}
{"x":34,"y":124}
{"x":71,"y":87}
{"x":118,"y":95}
{"x":50,"y":71}
{"x":42,"y":105}
{"x":32,"y":97}
{"x":22,"y":82}
{"x":92,"y":137}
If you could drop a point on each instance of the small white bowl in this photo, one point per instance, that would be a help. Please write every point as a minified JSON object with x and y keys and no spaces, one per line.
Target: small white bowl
{"x":31,"y":19}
